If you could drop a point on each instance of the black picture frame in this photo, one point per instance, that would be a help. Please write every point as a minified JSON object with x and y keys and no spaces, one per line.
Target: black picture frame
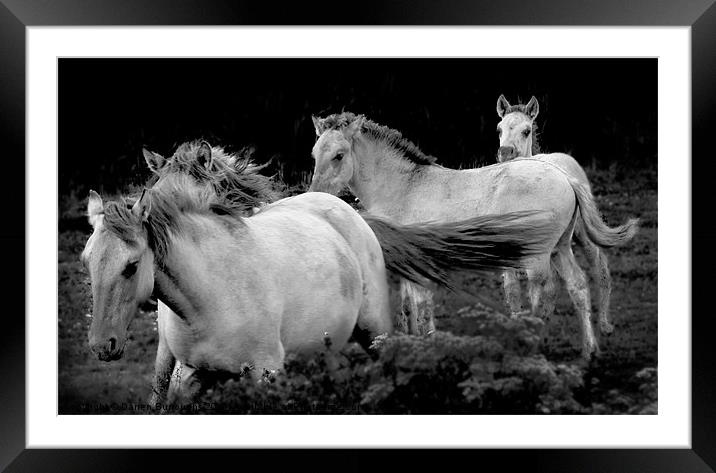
{"x":16,"y":15}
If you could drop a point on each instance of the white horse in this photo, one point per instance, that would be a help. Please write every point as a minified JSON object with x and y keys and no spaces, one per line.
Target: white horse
{"x":394,"y":179}
{"x":516,"y":132}
{"x":238,"y":291}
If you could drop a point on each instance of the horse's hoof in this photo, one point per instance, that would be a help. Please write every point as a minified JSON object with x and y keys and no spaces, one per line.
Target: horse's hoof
{"x":589,"y":353}
{"x":605,"y":327}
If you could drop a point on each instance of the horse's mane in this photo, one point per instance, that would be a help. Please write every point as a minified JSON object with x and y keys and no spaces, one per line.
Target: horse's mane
{"x":380,"y":133}
{"x":176,"y":196}
{"x":235,"y":178}
{"x":227,"y":190}
{"x":522,"y":108}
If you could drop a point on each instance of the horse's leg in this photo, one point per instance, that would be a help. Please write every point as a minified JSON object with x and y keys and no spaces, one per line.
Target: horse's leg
{"x":542,"y":288}
{"x":164,"y":362}
{"x":374,"y":316}
{"x":268,"y":359}
{"x":599,"y":268}
{"x":542,"y":292}
{"x":419,"y":301}
{"x":184,"y":384}
{"x":605,"y":292}
{"x":567,"y":267}
{"x":513,"y":293}
{"x":163,"y":367}
{"x":402,"y":323}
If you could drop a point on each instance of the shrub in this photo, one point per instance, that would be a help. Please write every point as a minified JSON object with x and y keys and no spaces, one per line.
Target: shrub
{"x":616,"y":401}
{"x":497,"y":372}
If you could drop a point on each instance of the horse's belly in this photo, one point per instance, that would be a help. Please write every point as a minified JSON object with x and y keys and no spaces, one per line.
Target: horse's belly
{"x":329,"y":313}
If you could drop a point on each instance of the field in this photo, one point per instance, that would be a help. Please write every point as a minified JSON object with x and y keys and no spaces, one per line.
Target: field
{"x":609,"y":384}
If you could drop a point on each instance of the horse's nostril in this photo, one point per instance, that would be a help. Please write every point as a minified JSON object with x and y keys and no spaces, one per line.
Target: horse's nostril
{"x":112,"y":343}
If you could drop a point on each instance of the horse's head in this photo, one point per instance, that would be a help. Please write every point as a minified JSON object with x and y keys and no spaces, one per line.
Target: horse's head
{"x":334,"y":156}
{"x":121,"y":269}
{"x":516,"y":129}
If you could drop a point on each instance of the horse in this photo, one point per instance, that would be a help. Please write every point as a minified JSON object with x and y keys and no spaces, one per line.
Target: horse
{"x":395,"y":180}
{"x":241,"y":291}
{"x":517,"y":134}
{"x":235,"y":178}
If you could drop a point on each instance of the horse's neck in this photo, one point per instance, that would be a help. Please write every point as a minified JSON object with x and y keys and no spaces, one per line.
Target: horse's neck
{"x":176,"y":293}
{"x":383,"y":180}
{"x":183,"y":278}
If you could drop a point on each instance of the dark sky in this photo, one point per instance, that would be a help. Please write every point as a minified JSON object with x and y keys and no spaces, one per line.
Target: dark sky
{"x":598,"y":110}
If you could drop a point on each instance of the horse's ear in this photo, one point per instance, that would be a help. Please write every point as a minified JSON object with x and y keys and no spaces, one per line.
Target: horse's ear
{"x":95,"y":207}
{"x":155,"y":161}
{"x":502,"y":106}
{"x":317,"y":125}
{"x":203,"y":154}
{"x":532,"y":108}
{"x":142,"y":206}
{"x":354,"y":128}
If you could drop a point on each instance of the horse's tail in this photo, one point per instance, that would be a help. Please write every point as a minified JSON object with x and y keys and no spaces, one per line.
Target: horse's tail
{"x":597,"y":230}
{"x":432,"y":250}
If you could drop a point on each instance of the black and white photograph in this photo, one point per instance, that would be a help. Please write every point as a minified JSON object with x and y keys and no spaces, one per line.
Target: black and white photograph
{"x":453,"y":232}
{"x":357,"y":236}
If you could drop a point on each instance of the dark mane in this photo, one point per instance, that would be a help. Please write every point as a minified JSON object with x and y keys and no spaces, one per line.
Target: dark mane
{"x":380,"y":133}
{"x":235,"y":178}
{"x":172,"y":199}
{"x":522,"y":108}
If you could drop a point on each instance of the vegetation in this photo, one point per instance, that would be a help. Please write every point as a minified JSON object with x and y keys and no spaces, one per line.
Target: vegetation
{"x":498,"y":372}
{"x":478,"y":362}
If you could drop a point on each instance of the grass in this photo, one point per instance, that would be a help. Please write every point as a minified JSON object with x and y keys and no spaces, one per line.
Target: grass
{"x":89,"y":385}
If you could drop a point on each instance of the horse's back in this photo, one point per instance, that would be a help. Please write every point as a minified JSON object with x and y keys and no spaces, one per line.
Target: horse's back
{"x":338,"y":214}
{"x":520,"y":184}
{"x":319,"y":204}
{"x":568,"y":164}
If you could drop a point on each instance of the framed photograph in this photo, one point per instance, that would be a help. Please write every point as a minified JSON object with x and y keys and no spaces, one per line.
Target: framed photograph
{"x":412,"y":227}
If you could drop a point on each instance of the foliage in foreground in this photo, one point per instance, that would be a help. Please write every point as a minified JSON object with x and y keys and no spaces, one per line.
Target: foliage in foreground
{"x":497,"y":372}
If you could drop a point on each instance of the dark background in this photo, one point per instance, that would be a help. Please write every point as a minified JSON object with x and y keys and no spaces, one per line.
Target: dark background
{"x":602,"y":111}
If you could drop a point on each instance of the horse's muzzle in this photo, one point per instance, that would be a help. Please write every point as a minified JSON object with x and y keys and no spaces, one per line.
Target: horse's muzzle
{"x":107,"y":350}
{"x":505,"y":153}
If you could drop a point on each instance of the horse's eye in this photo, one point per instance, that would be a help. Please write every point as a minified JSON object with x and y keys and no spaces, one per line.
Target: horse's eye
{"x":526,"y":133}
{"x":338,"y":157}
{"x":130,"y":269}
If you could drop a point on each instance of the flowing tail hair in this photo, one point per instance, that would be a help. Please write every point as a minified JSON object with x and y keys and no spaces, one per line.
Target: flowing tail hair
{"x":433,"y":250}
{"x":597,"y":230}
